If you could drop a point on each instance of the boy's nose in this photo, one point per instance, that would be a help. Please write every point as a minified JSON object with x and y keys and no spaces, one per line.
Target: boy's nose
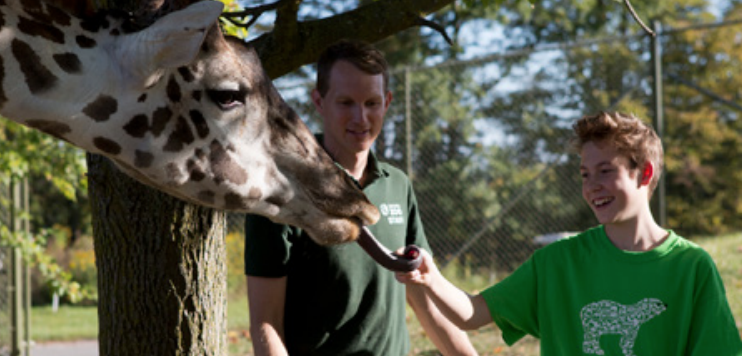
{"x":592,"y":185}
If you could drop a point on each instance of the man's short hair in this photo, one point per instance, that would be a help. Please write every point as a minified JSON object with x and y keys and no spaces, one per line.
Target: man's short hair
{"x":632,"y":138}
{"x":362,"y":55}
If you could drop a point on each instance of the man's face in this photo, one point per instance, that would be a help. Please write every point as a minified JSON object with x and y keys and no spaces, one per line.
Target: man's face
{"x":614,"y":191}
{"x":352,"y":109}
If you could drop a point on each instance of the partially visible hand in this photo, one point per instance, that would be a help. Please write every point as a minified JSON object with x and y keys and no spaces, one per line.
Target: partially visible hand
{"x":423,"y":275}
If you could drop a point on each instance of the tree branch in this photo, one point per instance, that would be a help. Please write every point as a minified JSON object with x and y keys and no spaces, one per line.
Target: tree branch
{"x":289,"y":47}
{"x":627,"y":3}
{"x":421,"y":21}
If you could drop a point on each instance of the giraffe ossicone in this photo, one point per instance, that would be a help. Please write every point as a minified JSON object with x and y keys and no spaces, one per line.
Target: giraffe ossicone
{"x":177,"y":106}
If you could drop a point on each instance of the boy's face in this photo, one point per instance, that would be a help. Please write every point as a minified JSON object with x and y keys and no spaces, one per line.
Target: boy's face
{"x":352,"y":109}
{"x":612,"y":189}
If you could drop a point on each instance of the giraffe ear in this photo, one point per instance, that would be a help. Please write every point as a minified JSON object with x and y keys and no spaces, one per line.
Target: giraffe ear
{"x":172,"y":41}
{"x":177,"y":36}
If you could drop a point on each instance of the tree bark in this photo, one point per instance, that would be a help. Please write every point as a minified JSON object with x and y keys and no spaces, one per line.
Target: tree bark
{"x":161,"y":269}
{"x":292,"y":44}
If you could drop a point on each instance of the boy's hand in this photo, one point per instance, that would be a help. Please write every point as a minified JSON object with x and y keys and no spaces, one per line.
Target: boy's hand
{"x":423,"y":275}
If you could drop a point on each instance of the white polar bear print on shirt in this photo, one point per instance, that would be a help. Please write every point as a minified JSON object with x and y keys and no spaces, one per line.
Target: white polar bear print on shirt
{"x":608,"y":317}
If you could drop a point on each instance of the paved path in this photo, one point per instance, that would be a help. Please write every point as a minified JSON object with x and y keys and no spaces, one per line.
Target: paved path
{"x":76,"y":348}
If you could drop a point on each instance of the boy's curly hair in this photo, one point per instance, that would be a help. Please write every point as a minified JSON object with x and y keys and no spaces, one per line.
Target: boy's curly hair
{"x":631,"y":137}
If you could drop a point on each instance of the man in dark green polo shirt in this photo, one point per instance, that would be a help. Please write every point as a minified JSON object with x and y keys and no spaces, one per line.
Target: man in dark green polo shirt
{"x":307,"y":299}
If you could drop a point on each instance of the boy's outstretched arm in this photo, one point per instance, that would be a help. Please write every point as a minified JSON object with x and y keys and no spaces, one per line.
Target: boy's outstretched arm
{"x":465,"y":311}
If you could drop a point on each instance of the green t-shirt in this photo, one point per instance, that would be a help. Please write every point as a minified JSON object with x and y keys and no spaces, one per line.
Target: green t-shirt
{"x":338,"y":300}
{"x":582,"y":295}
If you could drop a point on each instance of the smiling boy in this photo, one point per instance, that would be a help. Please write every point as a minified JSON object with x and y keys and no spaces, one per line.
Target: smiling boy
{"x":625,"y":287}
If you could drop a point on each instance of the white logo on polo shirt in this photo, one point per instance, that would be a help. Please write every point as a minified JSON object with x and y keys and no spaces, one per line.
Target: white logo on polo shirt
{"x":393,"y":213}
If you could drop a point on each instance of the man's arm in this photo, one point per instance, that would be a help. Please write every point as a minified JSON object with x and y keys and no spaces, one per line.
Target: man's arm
{"x":449,"y":339}
{"x":266,"y":299}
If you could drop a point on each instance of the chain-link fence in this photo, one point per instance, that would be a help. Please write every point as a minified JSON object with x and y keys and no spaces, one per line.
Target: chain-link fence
{"x":486,"y":140}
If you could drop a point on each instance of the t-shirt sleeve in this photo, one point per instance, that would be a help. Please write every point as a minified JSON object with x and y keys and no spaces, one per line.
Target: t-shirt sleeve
{"x":267,"y":247}
{"x":512,"y":303}
{"x":713,"y":330}
{"x":415,"y":230}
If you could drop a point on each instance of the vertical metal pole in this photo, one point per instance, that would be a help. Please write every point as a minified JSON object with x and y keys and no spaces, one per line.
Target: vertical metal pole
{"x":26,"y":272}
{"x":408,"y":121}
{"x":15,"y":277}
{"x":659,"y":120}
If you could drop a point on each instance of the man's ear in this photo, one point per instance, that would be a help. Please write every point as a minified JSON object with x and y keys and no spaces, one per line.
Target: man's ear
{"x":317,"y":99}
{"x":647,"y":173}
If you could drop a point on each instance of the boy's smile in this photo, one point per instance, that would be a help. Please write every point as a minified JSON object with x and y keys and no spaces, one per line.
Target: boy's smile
{"x":609,"y":185}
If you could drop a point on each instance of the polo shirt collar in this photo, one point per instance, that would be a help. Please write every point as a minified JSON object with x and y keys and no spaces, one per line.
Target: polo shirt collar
{"x":373,"y":167}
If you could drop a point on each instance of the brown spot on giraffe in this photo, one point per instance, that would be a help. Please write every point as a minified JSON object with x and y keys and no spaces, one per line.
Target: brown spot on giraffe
{"x":58,"y":16}
{"x":137,"y":126}
{"x":224,"y":168}
{"x":173,"y":90}
{"x":38,"y":77}
{"x":40,"y":29}
{"x":197,"y":174}
{"x":160,"y":118}
{"x":69,"y":62}
{"x":198,"y":120}
{"x":181,"y":136}
{"x":143,"y":159}
{"x":85,"y":41}
{"x":254,"y":193}
{"x":32,"y":7}
{"x":107,"y":145}
{"x":101,"y":108}
{"x":186,"y":74}
{"x":200,"y":154}
{"x":94,"y":24}
{"x":142,"y":98}
{"x":56,"y":129}
{"x":234,"y":201}
{"x":196,"y":95}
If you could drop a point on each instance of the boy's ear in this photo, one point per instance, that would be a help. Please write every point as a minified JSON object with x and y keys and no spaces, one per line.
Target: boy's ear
{"x":647,"y":173}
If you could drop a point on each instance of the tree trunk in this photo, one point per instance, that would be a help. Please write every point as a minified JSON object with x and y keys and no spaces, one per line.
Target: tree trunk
{"x":161,"y":269}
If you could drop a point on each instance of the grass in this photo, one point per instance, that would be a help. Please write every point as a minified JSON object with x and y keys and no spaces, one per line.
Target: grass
{"x":74,"y":323}
{"x":68,"y":323}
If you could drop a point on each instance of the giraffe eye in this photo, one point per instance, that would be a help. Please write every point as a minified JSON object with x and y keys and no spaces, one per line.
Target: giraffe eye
{"x":227,"y":99}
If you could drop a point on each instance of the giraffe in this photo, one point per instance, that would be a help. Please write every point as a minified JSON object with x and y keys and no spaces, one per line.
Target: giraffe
{"x":178,"y":106}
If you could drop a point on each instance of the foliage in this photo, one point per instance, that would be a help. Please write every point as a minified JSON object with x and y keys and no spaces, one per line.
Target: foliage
{"x":28,"y":153}
{"x":236,"y":284}
{"x":33,"y":250}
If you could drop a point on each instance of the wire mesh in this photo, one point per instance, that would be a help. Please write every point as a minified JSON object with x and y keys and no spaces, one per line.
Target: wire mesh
{"x":486,"y":140}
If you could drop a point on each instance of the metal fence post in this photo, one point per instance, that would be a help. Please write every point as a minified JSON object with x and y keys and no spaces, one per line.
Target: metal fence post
{"x":660,"y":205}
{"x":408,"y":122}
{"x":19,"y":289}
{"x":15,"y":277}
{"x":26,"y":226}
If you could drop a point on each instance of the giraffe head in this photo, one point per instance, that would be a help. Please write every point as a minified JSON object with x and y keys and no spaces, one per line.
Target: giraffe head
{"x":177,"y":106}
